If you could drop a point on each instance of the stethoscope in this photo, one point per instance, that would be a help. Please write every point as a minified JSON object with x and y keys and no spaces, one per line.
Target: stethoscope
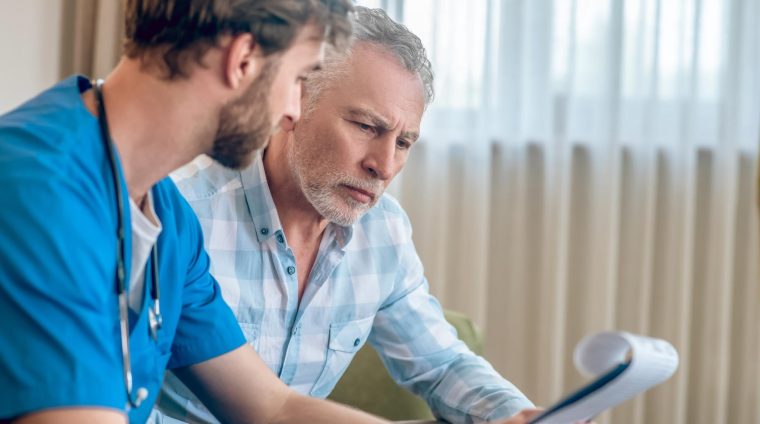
{"x":154,"y":314}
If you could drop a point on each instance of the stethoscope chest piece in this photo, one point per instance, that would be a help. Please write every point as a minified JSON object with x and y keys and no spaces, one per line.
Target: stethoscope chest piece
{"x":155,"y":321}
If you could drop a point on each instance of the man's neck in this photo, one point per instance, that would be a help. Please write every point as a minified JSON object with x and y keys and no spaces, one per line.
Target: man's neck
{"x":156,"y":125}
{"x":302,"y":224}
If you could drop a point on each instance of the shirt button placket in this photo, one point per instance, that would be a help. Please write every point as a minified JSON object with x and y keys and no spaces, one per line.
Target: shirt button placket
{"x":291,"y":351}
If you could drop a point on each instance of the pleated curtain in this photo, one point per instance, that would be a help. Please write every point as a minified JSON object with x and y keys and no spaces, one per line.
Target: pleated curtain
{"x":591,"y":165}
{"x":92,"y":34}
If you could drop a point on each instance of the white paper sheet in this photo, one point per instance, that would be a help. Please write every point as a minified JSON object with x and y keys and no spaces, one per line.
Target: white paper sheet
{"x":623,"y":365}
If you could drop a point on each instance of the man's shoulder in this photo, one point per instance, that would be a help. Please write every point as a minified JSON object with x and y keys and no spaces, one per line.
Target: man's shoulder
{"x":204,"y":178}
{"x":52,"y":158}
{"x":386,"y":223}
{"x":173,"y":209}
{"x":386,"y":207}
{"x":49,"y":130}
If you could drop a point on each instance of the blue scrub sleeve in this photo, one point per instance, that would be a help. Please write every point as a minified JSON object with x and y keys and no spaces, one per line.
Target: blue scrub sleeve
{"x":59,"y":342}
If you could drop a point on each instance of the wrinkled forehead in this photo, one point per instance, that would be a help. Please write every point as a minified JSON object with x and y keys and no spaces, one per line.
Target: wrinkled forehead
{"x":373,"y":75}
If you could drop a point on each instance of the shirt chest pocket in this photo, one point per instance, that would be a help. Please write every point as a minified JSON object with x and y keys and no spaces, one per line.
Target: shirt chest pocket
{"x":346,"y":338}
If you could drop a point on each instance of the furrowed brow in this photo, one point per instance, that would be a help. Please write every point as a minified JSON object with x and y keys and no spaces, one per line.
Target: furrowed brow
{"x":382,"y":124}
{"x":373,"y":118}
{"x":411,"y":136}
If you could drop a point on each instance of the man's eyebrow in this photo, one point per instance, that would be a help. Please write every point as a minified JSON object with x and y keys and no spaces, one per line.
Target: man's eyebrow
{"x":411,"y":136}
{"x":381,"y":123}
{"x":375,"y":119}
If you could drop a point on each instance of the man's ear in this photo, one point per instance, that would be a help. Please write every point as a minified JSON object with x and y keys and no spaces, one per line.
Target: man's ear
{"x":244,"y":60}
{"x":287,"y":124}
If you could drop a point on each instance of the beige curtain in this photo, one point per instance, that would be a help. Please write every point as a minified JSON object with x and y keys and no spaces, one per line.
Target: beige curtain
{"x":541,"y":254}
{"x":92,"y":36}
{"x":590,"y":165}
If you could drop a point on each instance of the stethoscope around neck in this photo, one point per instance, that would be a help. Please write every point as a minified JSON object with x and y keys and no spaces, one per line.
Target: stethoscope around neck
{"x":154,"y":314}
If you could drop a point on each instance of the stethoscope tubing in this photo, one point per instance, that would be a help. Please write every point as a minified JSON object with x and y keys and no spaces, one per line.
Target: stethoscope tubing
{"x":121,"y":289}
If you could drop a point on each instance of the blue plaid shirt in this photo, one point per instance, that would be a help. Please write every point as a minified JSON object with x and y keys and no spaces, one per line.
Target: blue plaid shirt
{"x":366,"y":285}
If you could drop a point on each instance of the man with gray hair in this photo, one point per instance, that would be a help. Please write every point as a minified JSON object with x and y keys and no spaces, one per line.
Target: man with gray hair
{"x":315,"y":260}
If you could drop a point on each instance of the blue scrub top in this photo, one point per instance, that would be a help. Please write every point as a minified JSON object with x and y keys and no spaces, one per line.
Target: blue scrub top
{"x":59,"y":338}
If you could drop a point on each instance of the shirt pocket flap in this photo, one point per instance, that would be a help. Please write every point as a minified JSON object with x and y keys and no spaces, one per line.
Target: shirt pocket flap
{"x":349,"y":336}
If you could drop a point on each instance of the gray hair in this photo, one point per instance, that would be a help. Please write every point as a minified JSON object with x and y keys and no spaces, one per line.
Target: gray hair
{"x":376,"y":27}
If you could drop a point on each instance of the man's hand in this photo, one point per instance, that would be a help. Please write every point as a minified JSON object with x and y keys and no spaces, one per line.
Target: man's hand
{"x":524,"y":416}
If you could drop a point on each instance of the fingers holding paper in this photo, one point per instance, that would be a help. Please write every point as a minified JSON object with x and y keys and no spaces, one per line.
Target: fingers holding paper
{"x":524,"y":417}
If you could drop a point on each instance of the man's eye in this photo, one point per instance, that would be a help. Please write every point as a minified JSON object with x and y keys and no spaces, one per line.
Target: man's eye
{"x":403,"y":144}
{"x":364,"y":127}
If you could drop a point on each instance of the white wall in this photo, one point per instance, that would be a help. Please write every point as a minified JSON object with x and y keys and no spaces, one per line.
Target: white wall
{"x":30,"y":48}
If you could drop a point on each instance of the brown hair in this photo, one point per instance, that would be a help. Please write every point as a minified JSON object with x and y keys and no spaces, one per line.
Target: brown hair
{"x":176,"y":31}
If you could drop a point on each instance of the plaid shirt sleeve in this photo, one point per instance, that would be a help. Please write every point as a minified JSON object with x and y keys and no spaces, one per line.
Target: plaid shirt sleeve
{"x":424,"y":355}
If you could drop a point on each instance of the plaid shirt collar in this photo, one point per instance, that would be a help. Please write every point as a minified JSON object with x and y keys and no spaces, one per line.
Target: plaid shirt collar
{"x":264,"y":212}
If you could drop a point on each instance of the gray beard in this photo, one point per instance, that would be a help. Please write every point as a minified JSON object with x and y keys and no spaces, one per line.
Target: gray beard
{"x":325,"y":201}
{"x":326,"y":204}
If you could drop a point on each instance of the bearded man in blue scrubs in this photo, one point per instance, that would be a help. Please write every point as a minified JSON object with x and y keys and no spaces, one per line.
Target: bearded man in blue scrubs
{"x":197,"y":76}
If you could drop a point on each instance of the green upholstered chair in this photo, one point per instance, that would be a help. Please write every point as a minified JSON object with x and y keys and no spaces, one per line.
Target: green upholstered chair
{"x":366,"y":385}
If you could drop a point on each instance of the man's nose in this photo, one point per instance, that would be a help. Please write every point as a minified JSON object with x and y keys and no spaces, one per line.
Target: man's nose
{"x":292,"y":111}
{"x":380,"y":161}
